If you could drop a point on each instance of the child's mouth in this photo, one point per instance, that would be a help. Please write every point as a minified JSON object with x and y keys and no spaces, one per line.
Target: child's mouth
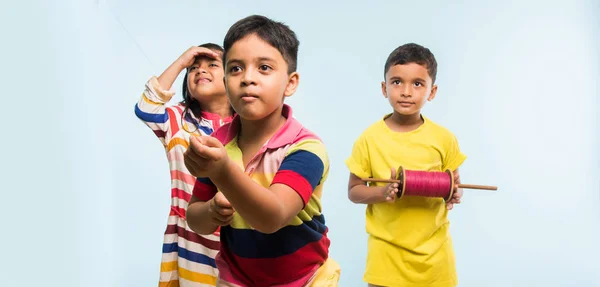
{"x":202,"y":80}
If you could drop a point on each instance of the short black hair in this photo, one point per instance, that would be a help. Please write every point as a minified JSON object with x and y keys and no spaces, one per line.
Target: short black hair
{"x":412,"y":53}
{"x":277,"y":34}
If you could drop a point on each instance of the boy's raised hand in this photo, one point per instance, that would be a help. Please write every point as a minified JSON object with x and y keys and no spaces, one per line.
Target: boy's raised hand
{"x":205,"y":156}
{"x":220,"y":210}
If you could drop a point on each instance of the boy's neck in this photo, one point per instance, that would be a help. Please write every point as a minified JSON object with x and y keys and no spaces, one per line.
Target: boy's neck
{"x":258,"y":132}
{"x":404,"y":123}
{"x":219,"y":106}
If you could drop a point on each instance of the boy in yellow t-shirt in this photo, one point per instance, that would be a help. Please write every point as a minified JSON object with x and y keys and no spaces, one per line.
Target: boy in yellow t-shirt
{"x":409,"y":240}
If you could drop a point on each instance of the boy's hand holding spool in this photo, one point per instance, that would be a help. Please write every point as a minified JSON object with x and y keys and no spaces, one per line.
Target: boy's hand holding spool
{"x":458,"y":192}
{"x":390,"y":191}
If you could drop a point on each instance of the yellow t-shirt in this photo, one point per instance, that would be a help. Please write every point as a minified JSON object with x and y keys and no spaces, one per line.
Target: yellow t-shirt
{"x":409,"y":241}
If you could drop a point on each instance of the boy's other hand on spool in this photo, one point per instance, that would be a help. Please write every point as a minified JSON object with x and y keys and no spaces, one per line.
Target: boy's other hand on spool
{"x":391,"y":190}
{"x":458,"y":192}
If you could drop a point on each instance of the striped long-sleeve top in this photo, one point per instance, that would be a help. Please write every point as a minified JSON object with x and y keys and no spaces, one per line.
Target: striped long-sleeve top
{"x":188,"y":259}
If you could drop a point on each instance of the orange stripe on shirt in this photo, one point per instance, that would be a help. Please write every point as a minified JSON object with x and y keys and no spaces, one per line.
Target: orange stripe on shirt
{"x":168,"y":266}
{"x":173,"y":283}
{"x":197,"y":277}
{"x":149,"y":101}
{"x":177,"y":141}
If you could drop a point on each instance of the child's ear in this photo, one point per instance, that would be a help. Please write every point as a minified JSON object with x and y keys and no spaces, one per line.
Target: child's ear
{"x":432,"y":94}
{"x":292,"y":85}
{"x":384,"y":89}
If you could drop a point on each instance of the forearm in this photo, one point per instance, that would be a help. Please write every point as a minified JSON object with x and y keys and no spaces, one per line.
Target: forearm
{"x":361,"y":193}
{"x":259,"y":206}
{"x":198,"y":218}
{"x":168,"y":77}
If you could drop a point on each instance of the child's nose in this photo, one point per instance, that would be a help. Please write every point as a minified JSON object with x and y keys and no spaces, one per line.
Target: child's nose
{"x":407,"y":91}
{"x":248,"y":77}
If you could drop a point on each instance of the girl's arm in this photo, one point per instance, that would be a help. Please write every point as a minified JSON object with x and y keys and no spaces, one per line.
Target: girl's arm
{"x":151,"y":107}
{"x":152,"y":110}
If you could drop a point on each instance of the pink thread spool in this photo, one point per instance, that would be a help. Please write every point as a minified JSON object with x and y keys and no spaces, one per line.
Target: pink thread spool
{"x":427,"y":183}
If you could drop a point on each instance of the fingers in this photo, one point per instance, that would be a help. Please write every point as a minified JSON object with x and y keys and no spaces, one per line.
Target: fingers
{"x":393,"y":176}
{"x":220,"y":215}
{"x":191,"y":163}
{"x":456,"y":176}
{"x":449,"y":205}
{"x":221,"y":200}
{"x":205,"y":147}
{"x":211,"y":141}
{"x":391,"y":192}
{"x":221,"y":221}
{"x":202,"y":51}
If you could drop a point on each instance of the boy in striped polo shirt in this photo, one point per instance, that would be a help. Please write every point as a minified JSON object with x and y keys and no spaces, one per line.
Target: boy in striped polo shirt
{"x":261,"y":177}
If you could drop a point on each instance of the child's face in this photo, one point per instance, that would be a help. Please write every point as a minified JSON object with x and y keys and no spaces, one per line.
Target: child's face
{"x":256,"y":78}
{"x":408,"y":87}
{"x":205,"y":79}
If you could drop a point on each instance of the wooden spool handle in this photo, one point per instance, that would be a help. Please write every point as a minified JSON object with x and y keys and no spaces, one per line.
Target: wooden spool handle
{"x":465,"y":186}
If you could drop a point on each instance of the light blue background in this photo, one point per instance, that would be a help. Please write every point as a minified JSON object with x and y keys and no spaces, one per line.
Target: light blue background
{"x":85,"y":185}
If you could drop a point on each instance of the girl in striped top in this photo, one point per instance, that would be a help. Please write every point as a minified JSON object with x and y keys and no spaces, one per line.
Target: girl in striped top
{"x":188,"y":258}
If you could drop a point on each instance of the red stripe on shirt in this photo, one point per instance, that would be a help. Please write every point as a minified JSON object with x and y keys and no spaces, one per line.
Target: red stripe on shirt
{"x":179,"y":175}
{"x":256,"y":272}
{"x":173,"y":122}
{"x":159,"y":133}
{"x":296,"y":181}
{"x":191,"y":236}
{"x":203,"y":191}
{"x":175,"y":210}
{"x":178,"y":193}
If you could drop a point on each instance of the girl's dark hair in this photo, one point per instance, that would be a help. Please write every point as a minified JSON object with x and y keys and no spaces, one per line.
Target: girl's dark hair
{"x":190,"y":103}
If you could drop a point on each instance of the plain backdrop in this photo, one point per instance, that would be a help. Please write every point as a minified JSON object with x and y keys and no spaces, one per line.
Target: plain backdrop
{"x":85,"y":185}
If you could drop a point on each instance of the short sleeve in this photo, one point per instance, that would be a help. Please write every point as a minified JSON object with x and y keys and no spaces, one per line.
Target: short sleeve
{"x":359,"y":163}
{"x":304,"y":168}
{"x":204,"y":189}
{"x":453,"y":157}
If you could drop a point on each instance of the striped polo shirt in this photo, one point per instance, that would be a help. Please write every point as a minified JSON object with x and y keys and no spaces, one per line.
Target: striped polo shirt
{"x":296,"y":157}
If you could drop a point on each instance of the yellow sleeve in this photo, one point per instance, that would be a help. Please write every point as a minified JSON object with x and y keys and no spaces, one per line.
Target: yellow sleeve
{"x":453,"y":157}
{"x":359,"y":162}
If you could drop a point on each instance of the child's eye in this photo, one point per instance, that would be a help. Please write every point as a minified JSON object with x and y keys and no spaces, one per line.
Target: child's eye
{"x":193,"y":68}
{"x":396,"y":82}
{"x":213,"y":65}
{"x":418,"y":84}
{"x":264,"y":67}
{"x":235,"y":69}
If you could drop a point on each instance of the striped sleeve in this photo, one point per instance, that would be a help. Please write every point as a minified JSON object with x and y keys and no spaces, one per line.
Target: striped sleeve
{"x":204,"y":189}
{"x":304,"y":168}
{"x":152,"y":110}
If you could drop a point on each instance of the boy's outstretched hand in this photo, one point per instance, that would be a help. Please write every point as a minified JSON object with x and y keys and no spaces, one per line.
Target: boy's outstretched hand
{"x":458,"y":192}
{"x":205,"y":156}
